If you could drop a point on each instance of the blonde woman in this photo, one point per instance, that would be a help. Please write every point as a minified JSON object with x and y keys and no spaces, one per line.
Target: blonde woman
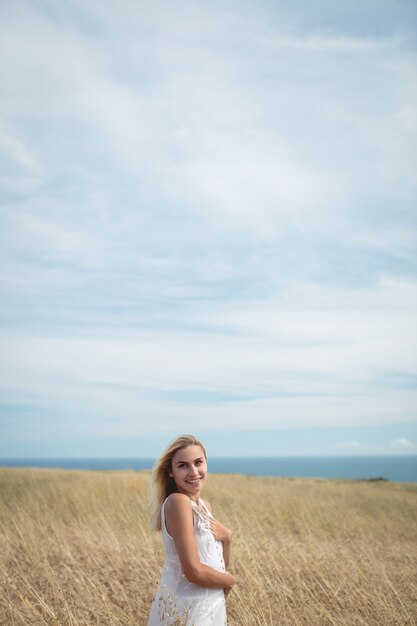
{"x":194,"y":580}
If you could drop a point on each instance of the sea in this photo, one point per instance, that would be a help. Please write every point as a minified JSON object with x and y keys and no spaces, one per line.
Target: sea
{"x":393,"y":468}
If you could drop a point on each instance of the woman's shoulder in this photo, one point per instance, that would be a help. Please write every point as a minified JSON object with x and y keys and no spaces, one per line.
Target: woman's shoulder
{"x":177,"y":506}
{"x":177,"y":500}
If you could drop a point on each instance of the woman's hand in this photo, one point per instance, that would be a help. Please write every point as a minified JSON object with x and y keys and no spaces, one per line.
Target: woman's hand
{"x":227,"y":590}
{"x":219,"y":530}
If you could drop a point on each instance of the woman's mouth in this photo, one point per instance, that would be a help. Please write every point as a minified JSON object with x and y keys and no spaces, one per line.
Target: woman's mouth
{"x":194,"y":481}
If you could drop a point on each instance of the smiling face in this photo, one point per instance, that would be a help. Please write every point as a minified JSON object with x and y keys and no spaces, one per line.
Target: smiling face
{"x":189,"y":470}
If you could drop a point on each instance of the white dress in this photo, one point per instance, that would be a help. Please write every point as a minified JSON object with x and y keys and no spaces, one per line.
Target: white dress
{"x":178,"y":601}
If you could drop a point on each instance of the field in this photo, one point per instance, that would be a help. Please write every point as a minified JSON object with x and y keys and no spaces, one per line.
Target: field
{"x":76,"y":549}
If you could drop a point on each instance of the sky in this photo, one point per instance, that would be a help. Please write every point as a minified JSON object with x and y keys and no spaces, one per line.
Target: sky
{"x":208,"y":226}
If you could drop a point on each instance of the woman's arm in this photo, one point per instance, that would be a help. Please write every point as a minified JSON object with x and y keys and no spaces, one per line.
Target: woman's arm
{"x":179,"y":523}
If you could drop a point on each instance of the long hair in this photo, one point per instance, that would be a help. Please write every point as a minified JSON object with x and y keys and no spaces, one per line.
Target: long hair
{"x":162,"y":483}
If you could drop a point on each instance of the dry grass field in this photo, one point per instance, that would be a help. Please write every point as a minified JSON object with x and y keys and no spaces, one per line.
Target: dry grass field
{"x":75,"y":549}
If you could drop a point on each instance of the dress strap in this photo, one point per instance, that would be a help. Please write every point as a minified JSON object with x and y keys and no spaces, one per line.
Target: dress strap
{"x":205,"y":508}
{"x":199,"y":511}
{"x":163,"y":521}
{"x":164,"y":528}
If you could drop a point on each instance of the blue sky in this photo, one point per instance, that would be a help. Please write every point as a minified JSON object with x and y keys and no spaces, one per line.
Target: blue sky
{"x":208,"y":225}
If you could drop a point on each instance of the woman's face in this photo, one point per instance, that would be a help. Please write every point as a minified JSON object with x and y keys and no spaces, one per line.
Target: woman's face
{"x":189,"y":470}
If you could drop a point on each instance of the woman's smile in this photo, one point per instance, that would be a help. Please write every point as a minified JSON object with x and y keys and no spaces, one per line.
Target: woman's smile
{"x":189,"y":470}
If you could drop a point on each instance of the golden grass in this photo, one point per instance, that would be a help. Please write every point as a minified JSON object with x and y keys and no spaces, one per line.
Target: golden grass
{"x":75,"y":549}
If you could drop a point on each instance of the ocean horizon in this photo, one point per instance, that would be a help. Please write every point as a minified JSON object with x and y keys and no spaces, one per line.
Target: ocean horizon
{"x":394,"y":468}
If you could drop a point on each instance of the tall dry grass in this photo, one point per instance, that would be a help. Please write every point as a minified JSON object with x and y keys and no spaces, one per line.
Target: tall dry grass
{"x":75,"y":549}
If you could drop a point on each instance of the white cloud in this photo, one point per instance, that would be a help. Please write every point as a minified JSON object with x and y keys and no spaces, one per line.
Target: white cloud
{"x":21,"y":171}
{"x":357,"y":45}
{"x":354,"y":444}
{"x":246,"y":182}
{"x":403,"y":444}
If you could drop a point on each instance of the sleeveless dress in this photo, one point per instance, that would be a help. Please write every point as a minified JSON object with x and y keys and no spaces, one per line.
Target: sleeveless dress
{"x":178,"y":602}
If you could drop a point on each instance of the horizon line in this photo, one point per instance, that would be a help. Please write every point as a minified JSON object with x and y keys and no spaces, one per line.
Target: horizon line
{"x":234,"y":456}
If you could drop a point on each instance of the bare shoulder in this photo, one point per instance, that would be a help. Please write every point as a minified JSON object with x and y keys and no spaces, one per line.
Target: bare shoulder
{"x":177,"y":502}
{"x":178,"y":514}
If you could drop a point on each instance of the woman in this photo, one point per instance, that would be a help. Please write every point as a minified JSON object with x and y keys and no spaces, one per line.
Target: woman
{"x":194,"y":580}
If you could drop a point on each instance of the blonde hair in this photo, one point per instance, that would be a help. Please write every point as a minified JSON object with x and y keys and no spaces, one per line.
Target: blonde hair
{"x":162,"y":483}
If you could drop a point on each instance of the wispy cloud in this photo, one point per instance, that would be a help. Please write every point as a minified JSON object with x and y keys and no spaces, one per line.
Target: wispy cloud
{"x":403,"y":444}
{"x":335,"y":44}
